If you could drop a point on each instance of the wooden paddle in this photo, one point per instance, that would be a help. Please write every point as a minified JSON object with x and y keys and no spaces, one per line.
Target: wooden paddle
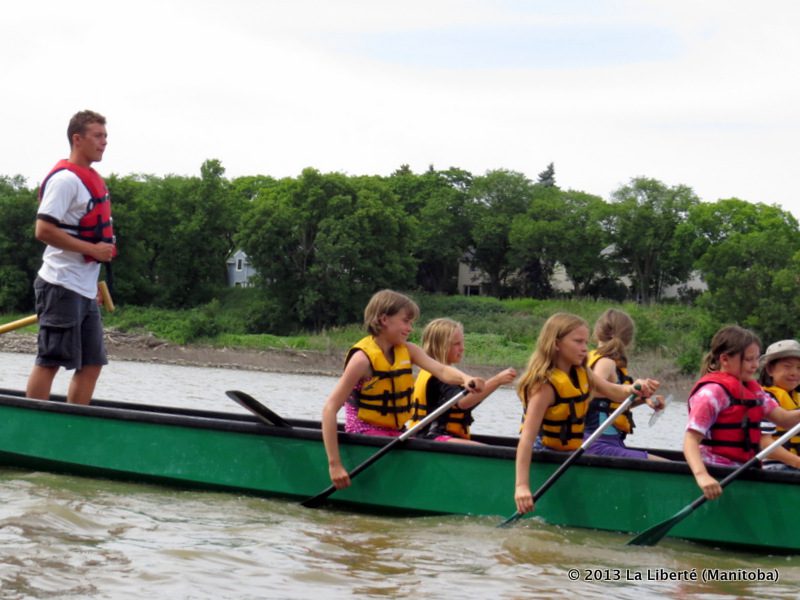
{"x":108,"y":304}
{"x":574,"y":456}
{"x":316,"y":501}
{"x":254,"y":406}
{"x":652,"y":536}
{"x":18,"y":323}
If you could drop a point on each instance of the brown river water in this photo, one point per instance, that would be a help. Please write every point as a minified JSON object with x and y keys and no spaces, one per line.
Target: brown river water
{"x":74,"y":537}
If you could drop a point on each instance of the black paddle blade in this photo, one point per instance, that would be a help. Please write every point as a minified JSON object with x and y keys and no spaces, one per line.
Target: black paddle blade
{"x":254,"y":406}
{"x":317,"y":501}
{"x":511,"y":520}
{"x":650,"y":537}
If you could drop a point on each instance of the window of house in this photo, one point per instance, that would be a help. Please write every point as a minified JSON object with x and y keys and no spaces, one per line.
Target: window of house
{"x":239,"y":264}
{"x":472,"y":290}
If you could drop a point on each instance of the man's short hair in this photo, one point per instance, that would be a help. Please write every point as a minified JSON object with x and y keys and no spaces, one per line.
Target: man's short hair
{"x":81,"y":120}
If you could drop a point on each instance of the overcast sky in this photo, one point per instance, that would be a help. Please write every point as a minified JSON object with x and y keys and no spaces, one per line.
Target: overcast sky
{"x":702,"y":93}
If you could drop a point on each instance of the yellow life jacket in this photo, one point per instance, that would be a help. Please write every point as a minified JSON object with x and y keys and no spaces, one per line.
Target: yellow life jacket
{"x":788,"y":401}
{"x":562,"y":425}
{"x":624,"y":423}
{"x":454,"y":422}
{"x":384,"y":399}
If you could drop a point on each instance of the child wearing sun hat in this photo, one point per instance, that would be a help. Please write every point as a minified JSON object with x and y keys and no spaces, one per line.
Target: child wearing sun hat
{"x":780,"y":377}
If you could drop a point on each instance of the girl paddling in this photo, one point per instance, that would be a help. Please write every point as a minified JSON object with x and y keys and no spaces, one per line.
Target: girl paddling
{"x":443,"y":340}
{"x":613,"y":331}
{"x":377,"y":381}
{"x":726,"y":407}
{"x":555,"y":391}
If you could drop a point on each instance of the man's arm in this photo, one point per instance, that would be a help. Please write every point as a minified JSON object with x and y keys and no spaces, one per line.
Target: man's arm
{"x":53,"y":235}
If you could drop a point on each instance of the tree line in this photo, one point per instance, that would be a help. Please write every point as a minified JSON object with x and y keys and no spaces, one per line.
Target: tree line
{"x":322,"y":243}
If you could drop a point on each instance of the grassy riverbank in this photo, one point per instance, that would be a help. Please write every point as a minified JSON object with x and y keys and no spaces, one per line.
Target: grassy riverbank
{"x":498,"y":332}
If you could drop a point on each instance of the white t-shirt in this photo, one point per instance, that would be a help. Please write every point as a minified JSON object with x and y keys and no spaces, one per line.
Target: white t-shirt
{"x":65,"y":199}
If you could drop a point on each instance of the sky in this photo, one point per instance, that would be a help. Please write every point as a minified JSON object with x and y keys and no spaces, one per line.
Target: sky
{"x":698,"y":93}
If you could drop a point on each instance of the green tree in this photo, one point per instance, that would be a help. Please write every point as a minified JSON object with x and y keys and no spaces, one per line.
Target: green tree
{"x":644,"y":222}
{"x":535,"y":243}
{"x":584,"y":239}
{"x":322,"y":244}
{"x":246,"y":189}
{"x":547,"y":178}
{"x":137,"y":221}
{"x":436,"y":206}
{"x":496,"y":200}
{"x":560,"y":227}
{"x":749,"y":256}
{"x":20,"y":253}
{"x":174,"y":234}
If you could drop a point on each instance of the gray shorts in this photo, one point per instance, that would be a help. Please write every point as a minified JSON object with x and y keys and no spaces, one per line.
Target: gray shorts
{"x":70,"y":328}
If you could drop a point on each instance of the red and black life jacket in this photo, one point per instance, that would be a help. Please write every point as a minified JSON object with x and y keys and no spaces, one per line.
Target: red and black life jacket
{"x":96,"y":225}
{"x":737,"y":430}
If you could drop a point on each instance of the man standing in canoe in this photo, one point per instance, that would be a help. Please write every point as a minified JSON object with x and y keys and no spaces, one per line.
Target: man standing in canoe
{"x":74,"y":220}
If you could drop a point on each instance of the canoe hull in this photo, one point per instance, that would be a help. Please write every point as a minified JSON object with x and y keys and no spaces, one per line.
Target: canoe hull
{"x":237,"y":453}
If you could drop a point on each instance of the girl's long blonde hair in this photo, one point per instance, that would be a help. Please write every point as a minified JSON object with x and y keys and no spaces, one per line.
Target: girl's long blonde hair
{"x":614,"y":331}
{"x":437,"y":337}
{"x":543,"y":358}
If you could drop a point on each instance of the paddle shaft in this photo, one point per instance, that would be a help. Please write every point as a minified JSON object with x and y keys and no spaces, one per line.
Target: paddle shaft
{"x":574,"y":456}
{"x":18,"y":323}
{"x":108,"y":303}
{"x":655,"y":533}
{"x":760,"y":456}
{"x":315,"y":501}
{"x":105,"y":294}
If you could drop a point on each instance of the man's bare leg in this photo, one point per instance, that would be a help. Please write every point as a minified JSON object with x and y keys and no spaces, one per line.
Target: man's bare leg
{"x":81,"y":387}
{"x":40,"y":381}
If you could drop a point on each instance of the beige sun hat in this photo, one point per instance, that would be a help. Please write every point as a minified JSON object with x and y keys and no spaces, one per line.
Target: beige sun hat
{"x":782,"y":349}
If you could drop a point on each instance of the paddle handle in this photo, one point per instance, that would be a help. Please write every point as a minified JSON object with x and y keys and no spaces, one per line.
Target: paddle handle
{"x":18,"y":323}
{"x":108,"y":303}
{"x":657,"y":413}
{"x":315,"y":501}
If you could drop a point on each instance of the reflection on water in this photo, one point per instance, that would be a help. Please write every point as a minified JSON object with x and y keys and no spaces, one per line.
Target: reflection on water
{"x":66,"y":536}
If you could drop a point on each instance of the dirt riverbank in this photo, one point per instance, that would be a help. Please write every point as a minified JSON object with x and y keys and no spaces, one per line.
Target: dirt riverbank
{"x":147,"y":348}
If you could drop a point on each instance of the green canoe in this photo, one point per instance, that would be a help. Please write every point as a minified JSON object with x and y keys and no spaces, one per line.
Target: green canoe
{"x":227,"y":451}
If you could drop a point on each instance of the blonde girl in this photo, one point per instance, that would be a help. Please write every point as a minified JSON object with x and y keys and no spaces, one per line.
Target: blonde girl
{"x":555,"y":390}
{"x":377,"y":381}
{"x":443,"y":340}
{"x":613,"y":331}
